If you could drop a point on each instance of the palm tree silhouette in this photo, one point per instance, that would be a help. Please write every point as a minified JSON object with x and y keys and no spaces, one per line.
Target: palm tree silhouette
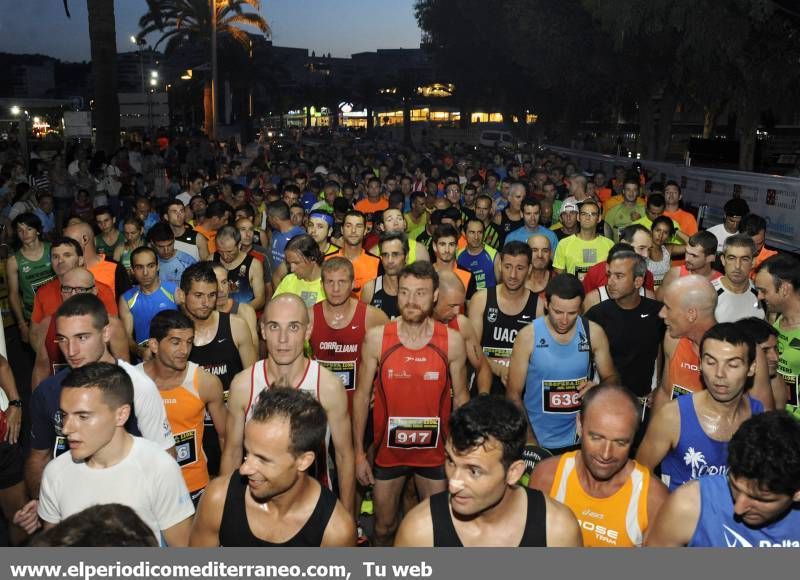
{"x":694,"y":459}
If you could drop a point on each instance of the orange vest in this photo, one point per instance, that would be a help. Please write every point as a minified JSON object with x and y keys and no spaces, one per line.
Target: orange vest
{"x":618,"y":521}
{"x":211,"y":235}
{"x":185,"y":412}
{"x":684,"y":369}
{"x":365,"y":267}
{"x":105,"y":273}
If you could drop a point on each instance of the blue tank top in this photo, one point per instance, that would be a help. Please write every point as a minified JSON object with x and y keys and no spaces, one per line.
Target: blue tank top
{"x":279,"y":241}
{"x":717,"y":527}
{"x":144,"y":307}
{"x":481,"y":266}
{"x":696,"y":454}
{"x":555,"y":372}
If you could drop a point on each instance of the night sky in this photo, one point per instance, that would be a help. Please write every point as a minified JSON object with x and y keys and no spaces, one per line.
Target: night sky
{"x":336,"y":26}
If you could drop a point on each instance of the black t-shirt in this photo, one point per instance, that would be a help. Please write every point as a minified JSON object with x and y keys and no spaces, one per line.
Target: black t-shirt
{"x":634,"y":337}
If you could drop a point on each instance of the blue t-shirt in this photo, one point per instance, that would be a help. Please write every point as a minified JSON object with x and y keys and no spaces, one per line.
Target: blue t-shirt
{"x":522,"y":234}
{"x":718,"y":528}
{"x":279,"y":241}
{"x":144,"y":307}
{"x":481,"y":266}
{"x":171,"y":270}
{"x":307,"y":200}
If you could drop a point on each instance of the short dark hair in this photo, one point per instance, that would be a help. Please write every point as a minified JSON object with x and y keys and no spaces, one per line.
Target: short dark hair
{"x":421,"y":270}
{"x":752,"y":224}
{"x":783,"y":268}
{"x":628,"y":232}
{"x":218,"y":208}
{"x":732,"y":333}
{"x":160,"y":232}
{"x":626,"y":253}
{"x":736,"y":207}
{"x":662,"y":219}
{"x":758,"y":328}
{"x":99,"y":526}
{"x":358,"y":214}
{"x":141,"y":250}
{"x":230,"y":232}
{"x":392,"y":236}
{"x":515,"y":248}
{"x":198,"y":272}
{"x":278,"y":209}
{"x":705,"y":240}
{"x":307,"y":420}
{"x":29,"y":219}
{"x":167,"y":320}
{"x":656,"y":200}
{"x":766,"y":449}
{"x":739,"y":241}
{"x":103,"y":209}
{"x":83,"y":305}
{"x":445,"y":231}
{"x":305,"y":245}
{"x":65,"y":241}
{"x":530,"y":202}
{"x":490,"y":417}
{"x":673,"y":183}
{"x":565,"y":286}
{"x":114,"y":383}
{"x":247,"y":209}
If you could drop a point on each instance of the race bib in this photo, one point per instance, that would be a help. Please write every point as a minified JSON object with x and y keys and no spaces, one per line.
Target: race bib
{"x":345,"y":370}
{"x":678,"y":390}
{"x":186,"y":447}
{"x":793,"y":385}
{"x":500,"y":355}
{"x":413,"y":432}
{"x":561,"y":396}
{"x":60,"y":446}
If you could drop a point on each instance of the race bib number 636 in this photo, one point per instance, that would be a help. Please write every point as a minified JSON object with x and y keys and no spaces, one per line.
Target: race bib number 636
{"x":561,"y":396}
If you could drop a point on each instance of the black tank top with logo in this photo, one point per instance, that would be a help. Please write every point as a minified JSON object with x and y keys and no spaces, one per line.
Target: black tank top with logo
{"x":234,"y":529}
{"x":445,"y":535}
{"x":500,"y":331}
{"x":383,"y":301}
{"x":507,"y":225}
{"x":220,"y":357}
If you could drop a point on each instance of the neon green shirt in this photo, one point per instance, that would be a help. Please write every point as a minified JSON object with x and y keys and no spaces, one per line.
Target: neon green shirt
{"x":310,"y":292}
{"x":576,"y":256}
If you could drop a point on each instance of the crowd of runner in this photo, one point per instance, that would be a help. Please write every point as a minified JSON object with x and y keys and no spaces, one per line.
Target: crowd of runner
{"x":356,"y":343}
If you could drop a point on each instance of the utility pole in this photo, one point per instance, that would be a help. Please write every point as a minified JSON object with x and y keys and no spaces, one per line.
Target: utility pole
{"x":213,"y":129}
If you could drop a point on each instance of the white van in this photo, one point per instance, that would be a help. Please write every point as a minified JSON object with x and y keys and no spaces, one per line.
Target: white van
{"x":500,"y":139}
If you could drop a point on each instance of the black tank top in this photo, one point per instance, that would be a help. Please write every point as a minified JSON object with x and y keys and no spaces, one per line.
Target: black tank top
{"x":500,"y":330}
{"x":445,"y":535}
{"x":189,"y":236}
{"x":234,"y":529}
{"x":383,"y":301}
{"x":220,"y":356}
{"x":507,"y":225}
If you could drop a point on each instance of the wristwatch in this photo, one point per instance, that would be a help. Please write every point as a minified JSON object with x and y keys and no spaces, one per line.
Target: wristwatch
{"x":15,"y":403}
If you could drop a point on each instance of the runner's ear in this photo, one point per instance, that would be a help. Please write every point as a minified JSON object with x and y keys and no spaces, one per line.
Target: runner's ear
{"x":305,"y":460}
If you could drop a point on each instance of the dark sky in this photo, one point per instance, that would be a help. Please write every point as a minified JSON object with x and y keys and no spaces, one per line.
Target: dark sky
{"x":340,"y":27}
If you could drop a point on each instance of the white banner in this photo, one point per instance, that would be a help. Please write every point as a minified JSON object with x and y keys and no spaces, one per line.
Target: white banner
{"x":773,"y":197}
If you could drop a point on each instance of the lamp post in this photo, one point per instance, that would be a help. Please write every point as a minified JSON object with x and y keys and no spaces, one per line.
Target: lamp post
{"x":212,"y":131}
{"x":140,"y":43}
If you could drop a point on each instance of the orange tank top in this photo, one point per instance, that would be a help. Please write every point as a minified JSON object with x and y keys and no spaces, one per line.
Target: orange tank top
{"x":185,"y":412}
{"x":684,"y":369}
{"x":618,"y":521}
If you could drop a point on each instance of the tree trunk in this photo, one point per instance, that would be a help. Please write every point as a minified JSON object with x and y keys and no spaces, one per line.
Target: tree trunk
{"x":103,"y":39}
{"x":647,"y":128}
{"x":308,"y":116}
{"x":333,"y":116}
{"x":747,"y":140}
{"x":370,"y":119}
{"x":465,"y":120}
{"x":710,"y":115}
{"x":407,"y":122}
{"x":208,"y":106}
{"x":668,"y":101}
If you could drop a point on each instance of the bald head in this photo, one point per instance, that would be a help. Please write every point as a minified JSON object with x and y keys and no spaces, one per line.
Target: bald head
{"x":609,"y":399}
{"x":78,"y":278}
{"x":82,"y":233}
{"x":694,"y":293}
{"x":539,"y":241}
{"x":449,"y":283}
{"x":450,"y":297}
{"x":288,"y":304}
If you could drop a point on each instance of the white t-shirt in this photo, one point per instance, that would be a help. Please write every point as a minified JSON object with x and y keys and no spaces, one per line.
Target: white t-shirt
{"x":732,"y":307}
{"x":184,"y":197}
{"x":147,"y":480}
{"x":149,"y":407}
{"x":721,"y":234}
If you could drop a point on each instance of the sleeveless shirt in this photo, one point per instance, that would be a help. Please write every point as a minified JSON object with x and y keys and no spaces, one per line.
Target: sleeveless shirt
{"x":383,"y":301}
{"x":684,"y":369}
{"x":33,"y":274}
{"x":617,"y":521}
{"x":234,"y":528}
{"x":446,"y":536}
{"x":412,"y":400}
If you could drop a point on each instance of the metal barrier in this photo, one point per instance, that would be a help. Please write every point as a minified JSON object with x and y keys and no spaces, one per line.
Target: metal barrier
{"x":773,"y":197}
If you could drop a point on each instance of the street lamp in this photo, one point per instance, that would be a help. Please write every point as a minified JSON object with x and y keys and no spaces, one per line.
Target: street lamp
{"x":15,"y":110}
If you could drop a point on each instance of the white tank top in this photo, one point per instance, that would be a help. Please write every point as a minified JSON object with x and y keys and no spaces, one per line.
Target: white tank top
{"x":259,"y":381}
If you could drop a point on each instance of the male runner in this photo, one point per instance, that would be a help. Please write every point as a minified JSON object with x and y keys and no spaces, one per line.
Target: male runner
{"x":701,"y":251}
{"x":223,"y":345}
{"x":188,"y":392}
{"x":499,"y":313}
{"x":553,"y":363}
{"x":778,"y":285}
{"x":365,"y":265}
{"x":479,"y":258}
{"x":417,"y":362}
{"x":755,"y":505}
{"x":382,"y":291}
{"x":484,"y":505}
{"x":614,"y":498}
{"x":187,"y":239}
{"x":286,"y":327}
{"x":271,"y":501}
{"x":737,"y":297}
{"x":688,"y":437}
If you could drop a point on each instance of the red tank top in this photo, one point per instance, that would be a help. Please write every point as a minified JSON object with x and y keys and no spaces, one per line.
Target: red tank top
{"x":339,"y":349}
{"x":684,"y":369}
{"x":685,"y":272}
{"x":454,"y":324}
{"x":412,"y":401}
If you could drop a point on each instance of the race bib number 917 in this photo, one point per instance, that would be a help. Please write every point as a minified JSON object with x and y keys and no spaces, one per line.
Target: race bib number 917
{"x":561,"y":396}
{"x":413,"y":432}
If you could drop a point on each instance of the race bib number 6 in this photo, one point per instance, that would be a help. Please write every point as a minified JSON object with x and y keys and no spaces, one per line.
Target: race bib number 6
{"x":413,"y":432}
{"x":561,"y":396}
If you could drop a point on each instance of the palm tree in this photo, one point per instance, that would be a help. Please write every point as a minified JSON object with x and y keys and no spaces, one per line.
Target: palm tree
{"x":184,"y":23}
{"x":103,"y":41}
{"x":694,"y":459}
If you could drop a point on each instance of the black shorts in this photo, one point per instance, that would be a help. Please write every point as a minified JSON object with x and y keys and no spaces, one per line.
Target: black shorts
{"x":196,"y":495}
{"x":386,"y":473}
{"x":11,"y":465}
